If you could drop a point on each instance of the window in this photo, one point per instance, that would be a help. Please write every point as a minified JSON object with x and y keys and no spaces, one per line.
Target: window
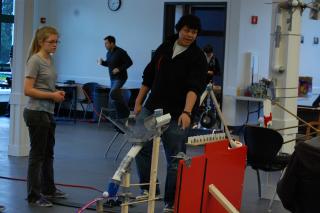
{"x":6,"y":33}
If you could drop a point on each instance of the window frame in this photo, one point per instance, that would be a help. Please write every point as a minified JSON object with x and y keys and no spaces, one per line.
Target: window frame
{"x":5,"y":18}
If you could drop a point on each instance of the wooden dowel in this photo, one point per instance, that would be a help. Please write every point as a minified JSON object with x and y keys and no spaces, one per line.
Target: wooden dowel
{"x":140,"y":201}
{"x":227,"y":205}
{"x":290,"y":127}
{"x":305,"y":136}
{"x":141,"y":184}
{"x":300,"y":119}
{"x":154,"y":170}
{"x":232,"y":142}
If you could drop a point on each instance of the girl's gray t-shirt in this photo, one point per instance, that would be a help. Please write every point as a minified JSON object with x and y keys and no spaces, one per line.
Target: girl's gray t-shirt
{"x":45,"y":80}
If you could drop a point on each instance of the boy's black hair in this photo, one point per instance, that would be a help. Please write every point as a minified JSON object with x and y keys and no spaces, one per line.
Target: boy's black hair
{"x":208,"y":49}
{"x":191,"y":21}
{"x":110,"y":38}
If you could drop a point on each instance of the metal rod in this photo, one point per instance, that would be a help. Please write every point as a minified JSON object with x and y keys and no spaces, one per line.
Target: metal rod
{"x":111,"y":143}
{"x":121,"y":148}
{"x":297,"y":138}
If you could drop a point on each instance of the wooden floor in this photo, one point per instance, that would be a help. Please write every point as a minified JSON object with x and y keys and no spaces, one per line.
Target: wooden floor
{"x":79,"y":160}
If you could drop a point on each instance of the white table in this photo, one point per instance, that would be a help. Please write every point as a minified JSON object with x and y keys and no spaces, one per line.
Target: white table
{"x":249,"y":100}
{"x":5,"y":95}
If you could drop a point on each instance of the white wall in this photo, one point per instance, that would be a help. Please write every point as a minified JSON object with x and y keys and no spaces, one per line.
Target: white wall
{"x":138,"y":27}
{"x":83,"y":24}
{"x":251,"y":38}
{"x":254,"y":39}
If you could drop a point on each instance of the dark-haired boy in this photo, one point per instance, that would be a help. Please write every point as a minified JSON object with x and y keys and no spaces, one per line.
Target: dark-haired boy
{"x":175,"y":78}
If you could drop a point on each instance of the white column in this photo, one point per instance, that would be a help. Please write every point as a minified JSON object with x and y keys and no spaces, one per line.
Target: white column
{"x":23,"y":31}
{"x":284,"y":65}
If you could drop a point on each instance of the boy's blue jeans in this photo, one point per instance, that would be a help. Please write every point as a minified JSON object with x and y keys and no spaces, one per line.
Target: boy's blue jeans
{"x":174,"y":141}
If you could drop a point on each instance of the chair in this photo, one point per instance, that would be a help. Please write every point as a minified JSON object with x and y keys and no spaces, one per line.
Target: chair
{"x":88,"y":90}
{"x":310,"y":131}
{"x":69,"y":99}
{"x":107,"y":111}
{"x":310,"y":115}
{"x":119,"y":131}
{"x":262,"y":154}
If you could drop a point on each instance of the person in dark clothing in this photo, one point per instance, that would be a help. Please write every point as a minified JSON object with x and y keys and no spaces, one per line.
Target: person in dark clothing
{"x":118,"y":62}
{"x":11,"y":57}
{"x":9,"y":79}
{"x":175,"y":78}
{"x":213,"y":63}
{"x":2,"y":208}
{"x":208,"y":111}
{"x":316,"y":102}
{"x":299,"y":187}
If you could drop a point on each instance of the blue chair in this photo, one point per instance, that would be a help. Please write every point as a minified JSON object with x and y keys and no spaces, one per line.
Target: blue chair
{"x":88,"y":90}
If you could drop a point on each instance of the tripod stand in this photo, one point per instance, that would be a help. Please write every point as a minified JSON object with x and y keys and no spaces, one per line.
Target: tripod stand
{"x":208,"y":117}
{"x":209,"y":91}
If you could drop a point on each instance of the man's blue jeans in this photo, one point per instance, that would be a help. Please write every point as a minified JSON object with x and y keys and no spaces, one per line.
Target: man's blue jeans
{"x":174,"y":141}
{"x":117,"y":99}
